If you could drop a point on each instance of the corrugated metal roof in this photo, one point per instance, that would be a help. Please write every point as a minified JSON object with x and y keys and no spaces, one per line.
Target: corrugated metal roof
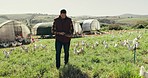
{"x":2,"y":24}
{"x":89,"y":21}
{"x":90,"y":24}
{"x":48,"y":24}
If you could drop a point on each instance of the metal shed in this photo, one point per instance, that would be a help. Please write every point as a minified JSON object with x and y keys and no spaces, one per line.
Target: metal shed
{"x":90,"y":25}
{"x":77,"y":28}
{"x":42,"y":29}
{"x":10,"y":29}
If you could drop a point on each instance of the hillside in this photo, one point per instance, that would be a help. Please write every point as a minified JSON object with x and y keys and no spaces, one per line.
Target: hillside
{"x":133,"y":15}
{"x":32,"y":19}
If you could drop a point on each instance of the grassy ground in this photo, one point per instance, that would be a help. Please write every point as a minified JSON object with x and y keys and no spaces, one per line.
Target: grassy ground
{"x":111,"y":62}
{"x":131,"y":21}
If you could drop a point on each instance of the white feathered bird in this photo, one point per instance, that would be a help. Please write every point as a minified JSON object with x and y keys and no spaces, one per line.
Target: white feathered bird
{"x":143,"y":72}
{"x":96,"y":43}
{"x":7,"y":54}
{"x":14,"y":44}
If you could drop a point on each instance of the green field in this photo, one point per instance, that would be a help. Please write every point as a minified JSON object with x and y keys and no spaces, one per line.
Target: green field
{"x":98,"y":62}
{"x":132,"y":21}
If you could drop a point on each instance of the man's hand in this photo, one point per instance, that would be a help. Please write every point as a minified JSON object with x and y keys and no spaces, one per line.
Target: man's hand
{"x":61,"y":33}
{"x":68,"y":35}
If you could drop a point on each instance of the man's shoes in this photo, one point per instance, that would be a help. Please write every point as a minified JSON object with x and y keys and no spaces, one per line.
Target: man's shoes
{"x":66,"y":63}
{"x":58,"y":68}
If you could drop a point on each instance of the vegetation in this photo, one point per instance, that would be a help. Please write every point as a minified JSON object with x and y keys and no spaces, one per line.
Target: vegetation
{"x":97,"y":62}
{"x":115,"y":27}
{"x":141,"y":25}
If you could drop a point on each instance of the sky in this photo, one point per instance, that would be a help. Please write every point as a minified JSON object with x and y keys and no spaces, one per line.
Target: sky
{"x":75,"y":7}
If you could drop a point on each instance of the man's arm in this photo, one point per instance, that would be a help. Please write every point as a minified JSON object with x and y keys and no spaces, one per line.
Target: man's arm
{"x":53,"y":30}
{"x":71,"y":27}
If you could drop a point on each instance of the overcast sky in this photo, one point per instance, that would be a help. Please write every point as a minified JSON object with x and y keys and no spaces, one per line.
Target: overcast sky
{"x":75,"y":7}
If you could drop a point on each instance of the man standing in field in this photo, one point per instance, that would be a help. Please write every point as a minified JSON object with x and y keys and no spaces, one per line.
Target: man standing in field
{"x":63,"y":30}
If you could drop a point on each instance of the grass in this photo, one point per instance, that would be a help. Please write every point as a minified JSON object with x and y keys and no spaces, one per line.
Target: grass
{"x":131,"y":21}
{"x":94,"y":63}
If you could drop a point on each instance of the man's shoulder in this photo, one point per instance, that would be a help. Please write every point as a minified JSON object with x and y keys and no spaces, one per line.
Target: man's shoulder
{"x":56,"y":18}
{"x":68,"y":18}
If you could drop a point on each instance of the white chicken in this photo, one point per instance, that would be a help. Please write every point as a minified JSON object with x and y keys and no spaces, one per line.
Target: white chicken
{"x":83,"y":43}
{"x":5,"y":45}
{"x":14,"y":44}
{"x":7,"y":54}
{"x":116,"y":45}
{"x":96,"y":43}
{"x":143,"y":72}
{"x":80,"y":51}
{"x":26,"y":49}
{"x":43,"y":46}
{"x":19,"y":43}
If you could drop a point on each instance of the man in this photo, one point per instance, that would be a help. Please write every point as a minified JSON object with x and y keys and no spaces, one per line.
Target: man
{"x":63,"y":30}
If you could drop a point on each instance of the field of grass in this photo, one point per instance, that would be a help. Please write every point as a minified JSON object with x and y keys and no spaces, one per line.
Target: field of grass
{"x":131,"y":21}
{"x":98,"y":62}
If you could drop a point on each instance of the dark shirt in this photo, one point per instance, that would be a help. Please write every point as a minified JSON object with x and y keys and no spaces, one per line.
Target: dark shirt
{"x":63,"y":25}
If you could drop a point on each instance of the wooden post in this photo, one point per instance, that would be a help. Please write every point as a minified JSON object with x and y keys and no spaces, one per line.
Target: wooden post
{"x":134,"y":53}
{"x":135,"y":56}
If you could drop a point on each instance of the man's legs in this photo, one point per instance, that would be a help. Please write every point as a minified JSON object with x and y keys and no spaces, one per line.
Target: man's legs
{"x":58,"y":46}
{"x":66,"y":51}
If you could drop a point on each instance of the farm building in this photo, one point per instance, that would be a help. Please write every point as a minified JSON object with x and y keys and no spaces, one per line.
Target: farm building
{"x":45,"y":29}
{"x":10,"y":29}
{"x":90,"y":25}
{"x":42,"y":29}
{"x":77,"y":28}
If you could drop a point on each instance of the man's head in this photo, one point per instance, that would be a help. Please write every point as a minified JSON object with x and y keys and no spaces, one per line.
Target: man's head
{"x":63,"y":13}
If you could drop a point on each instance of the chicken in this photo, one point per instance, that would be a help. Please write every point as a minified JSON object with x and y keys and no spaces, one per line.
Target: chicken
{"x":19,"y":43}
{"x":77,"y":45}
{"x":35,"y":46}
{"x":125,"y":42}
{"x":93,"y":46}
{"x":7,"y":54}
{"x":87,"y":45}
{"x":5,"y":45}
{"x":139,"y":37}
{"x":135,"y":40}
{"x":14,"y":44}
{"x":137,"y":45}
{"x":83,"y":43}
{"x":143,"y":73}
{"x":96,"y":44}
{"x":75,"y":51}
{"x":80,"y":51}
{"x":26,"y":49}
{"x":116,"y":45}
{"x":43,"y":46}
{"x":129,"y":47}
{"x":12,"y":49}
{"x":105,"y":44}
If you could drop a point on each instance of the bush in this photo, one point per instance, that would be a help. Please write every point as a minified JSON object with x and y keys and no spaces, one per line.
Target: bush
{"x":139,"y":26}
{"x":107,"y":21}
{"x":146,"y":27}
{"x":103,"y":25}
{"x":115,"y":27}
{"x":104,"y":29}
